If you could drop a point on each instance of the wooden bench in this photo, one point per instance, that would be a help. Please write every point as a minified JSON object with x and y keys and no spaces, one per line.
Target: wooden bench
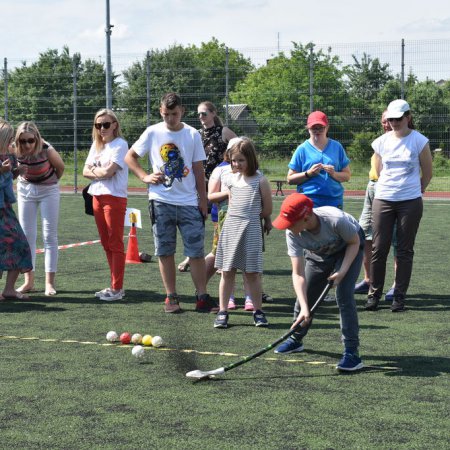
{"x":279,"y":184}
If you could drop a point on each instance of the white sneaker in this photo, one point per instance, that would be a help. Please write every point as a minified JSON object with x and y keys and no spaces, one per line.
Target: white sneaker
{"x":110,"y":296}
{"x":108,"y":289}
{"x":98,"y":294}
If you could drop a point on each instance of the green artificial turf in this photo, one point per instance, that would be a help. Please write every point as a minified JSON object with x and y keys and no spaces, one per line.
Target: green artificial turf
{"x":86,"y":394}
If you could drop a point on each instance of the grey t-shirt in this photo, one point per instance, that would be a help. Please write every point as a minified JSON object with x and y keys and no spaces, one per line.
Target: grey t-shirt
{"x":336,"y":228}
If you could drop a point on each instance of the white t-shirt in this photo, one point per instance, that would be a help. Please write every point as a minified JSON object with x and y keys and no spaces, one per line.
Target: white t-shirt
{"x":172,"y":152}
{"x":400,"y":175}
{"x":222,"y":173}
{"x":115,"y":152}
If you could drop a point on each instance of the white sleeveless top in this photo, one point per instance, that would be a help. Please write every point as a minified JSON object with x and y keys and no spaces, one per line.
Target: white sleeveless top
{"x":400,"y":174}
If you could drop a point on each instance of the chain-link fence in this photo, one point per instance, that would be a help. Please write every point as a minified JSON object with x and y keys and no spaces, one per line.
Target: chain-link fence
{"x":265,"y":93}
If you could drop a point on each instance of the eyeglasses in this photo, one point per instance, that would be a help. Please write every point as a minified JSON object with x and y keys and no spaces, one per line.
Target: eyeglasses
{"x":202,"y":114}
{"x":27,"y":141}
{"x":105,"y":125}
{"x":396,"y":119}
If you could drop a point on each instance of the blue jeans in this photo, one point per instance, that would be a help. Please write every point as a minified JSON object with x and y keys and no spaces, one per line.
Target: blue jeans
{"x":317,"y":269}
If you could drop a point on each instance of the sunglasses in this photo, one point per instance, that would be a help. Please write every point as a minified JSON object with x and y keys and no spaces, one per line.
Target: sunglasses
{"x":395,"y":119}
{"x":317,"y":128}
{"x":27,"y":141}
{"x":105,"y":125}
{"x":202,"y":114}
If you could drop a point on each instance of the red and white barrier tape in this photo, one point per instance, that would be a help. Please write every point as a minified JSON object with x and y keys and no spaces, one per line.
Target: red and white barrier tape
{"x":77,"y":244}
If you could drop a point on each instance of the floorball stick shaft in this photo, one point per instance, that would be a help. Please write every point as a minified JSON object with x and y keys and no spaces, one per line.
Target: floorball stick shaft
{"x":198,"y":374}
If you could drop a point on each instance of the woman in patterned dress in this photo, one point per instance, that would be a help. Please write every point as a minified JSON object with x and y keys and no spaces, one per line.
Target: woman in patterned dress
{"x":15,"y":256}
{"x":215,"y":138}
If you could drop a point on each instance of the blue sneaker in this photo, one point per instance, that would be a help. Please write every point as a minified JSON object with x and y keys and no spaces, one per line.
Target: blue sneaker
{"x":389,"y":297}
{"x":291,"y":345}
{"x":361,"y":288}
{"x":259,"y":318}
{"x":350,"y":362}
{"x":221,"y":320}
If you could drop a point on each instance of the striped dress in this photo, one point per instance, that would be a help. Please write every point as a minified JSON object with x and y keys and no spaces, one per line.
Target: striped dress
{"x":240,"y":242}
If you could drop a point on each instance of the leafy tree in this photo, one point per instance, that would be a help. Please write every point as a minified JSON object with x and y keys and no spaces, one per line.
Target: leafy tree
{"x":364,"y":80}
{"x":43,"y":92}
{"x":196,"y":73}
{"x":430,"y":112}
{"x":278,"y":96}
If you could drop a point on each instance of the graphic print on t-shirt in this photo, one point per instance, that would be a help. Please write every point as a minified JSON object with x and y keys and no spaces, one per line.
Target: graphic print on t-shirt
{"x":173,"y":167}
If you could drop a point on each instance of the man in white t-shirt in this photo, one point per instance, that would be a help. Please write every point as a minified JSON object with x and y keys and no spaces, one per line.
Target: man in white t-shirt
{"x":177,"y":197}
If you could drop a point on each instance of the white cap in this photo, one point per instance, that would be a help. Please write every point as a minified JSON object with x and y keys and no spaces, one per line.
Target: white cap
{"x":396,"y":109}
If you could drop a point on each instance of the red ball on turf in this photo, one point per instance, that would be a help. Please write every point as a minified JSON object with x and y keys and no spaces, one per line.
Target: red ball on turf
{"x":125,"y":338}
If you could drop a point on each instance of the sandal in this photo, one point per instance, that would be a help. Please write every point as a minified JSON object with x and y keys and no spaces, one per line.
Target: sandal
{"x":184,"y":266}
{"x":25,"y":290}
{"x":18,"y":296}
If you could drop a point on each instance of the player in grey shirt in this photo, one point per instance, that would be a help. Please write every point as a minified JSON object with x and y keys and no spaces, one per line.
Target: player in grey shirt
{"x":324,"y":244}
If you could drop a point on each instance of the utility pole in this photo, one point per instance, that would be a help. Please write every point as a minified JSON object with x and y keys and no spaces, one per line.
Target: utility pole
{"x":108,"y":59}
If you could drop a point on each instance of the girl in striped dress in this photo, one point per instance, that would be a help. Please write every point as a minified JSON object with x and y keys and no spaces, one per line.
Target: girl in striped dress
{"x":240,"y":242}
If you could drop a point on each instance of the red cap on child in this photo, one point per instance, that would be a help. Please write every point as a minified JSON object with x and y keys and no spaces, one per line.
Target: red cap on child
{"x":294,"y":208}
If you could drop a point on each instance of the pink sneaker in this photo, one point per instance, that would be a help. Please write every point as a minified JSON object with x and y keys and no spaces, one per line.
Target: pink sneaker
{"x":232,"y":303}
{"x":248,"y":305}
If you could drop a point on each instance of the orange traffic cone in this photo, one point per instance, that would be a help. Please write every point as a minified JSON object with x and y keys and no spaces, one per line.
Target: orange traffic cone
{"x":132,"y":250}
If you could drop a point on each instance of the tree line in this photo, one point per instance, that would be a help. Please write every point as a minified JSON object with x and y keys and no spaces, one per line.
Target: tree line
{"x":278,"y":95}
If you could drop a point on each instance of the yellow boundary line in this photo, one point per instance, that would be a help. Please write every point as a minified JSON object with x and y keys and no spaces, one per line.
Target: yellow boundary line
{"x":168,"y":349}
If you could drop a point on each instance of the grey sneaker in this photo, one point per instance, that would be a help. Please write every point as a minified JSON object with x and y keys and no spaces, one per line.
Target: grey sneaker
{"x":398,"y":305}
{"x":372,"y":303}
{"x":172,"y":304}
{"x":221,"y":320}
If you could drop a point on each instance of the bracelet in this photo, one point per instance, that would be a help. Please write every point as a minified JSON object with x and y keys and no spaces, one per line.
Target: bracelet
{"x":306,"y":174}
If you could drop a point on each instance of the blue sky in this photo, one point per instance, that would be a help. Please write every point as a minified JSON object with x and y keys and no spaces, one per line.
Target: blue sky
{"x":30,"y":27}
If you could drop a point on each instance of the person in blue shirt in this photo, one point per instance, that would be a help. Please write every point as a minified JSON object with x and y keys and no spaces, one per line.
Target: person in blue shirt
{"x":320,"y":165}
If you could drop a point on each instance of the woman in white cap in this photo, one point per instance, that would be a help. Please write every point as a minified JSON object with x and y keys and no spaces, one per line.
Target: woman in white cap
{"x":404,"y":165}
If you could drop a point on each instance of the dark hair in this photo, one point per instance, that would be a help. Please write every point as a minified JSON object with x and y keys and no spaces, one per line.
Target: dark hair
{"x":210,"y":106}
{"x":171,"y":100}
{"x":246,"y":147}
{"x":409,"y":117}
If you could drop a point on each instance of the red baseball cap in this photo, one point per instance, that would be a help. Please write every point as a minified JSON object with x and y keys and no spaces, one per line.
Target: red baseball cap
{"x":294,"y":208}
{"x":317,"y":118}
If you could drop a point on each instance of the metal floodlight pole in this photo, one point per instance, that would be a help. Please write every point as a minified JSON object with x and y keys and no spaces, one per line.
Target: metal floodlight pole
{"x":403,"y":71}
{"x":5,"y":80}
{"x":108,"y":59}
{"x":227,"y":75}
{"x":147,"y":61}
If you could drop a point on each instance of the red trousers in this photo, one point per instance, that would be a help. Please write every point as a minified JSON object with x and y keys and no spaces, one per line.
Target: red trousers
{"x":109,"y":213}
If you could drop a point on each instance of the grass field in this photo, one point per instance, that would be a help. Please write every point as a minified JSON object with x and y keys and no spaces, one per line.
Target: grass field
{"x":63,"y":388}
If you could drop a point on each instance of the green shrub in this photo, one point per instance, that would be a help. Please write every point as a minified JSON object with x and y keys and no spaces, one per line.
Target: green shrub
{"x":360,"y":149}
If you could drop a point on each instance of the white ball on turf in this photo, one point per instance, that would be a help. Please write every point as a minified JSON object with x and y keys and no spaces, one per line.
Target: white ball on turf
{"x":138,"y":351}
{"x":157,"y":341}
{"x":112,"y":336}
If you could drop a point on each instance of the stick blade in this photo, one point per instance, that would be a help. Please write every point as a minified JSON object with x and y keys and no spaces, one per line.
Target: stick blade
{"x":200,"y":375}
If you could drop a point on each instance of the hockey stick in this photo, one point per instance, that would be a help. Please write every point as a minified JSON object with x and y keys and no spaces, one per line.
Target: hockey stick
{"x":200,"y":375}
